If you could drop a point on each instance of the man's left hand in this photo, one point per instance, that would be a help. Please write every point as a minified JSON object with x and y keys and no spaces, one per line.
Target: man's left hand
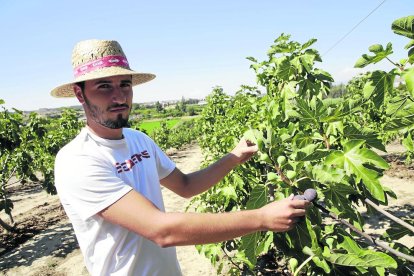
{"x":244,"y":150}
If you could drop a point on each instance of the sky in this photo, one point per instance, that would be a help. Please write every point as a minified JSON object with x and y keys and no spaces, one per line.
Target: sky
{"x":192,"y":46}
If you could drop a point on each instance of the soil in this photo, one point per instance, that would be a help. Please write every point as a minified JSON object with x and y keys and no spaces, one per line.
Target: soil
{"x":46,"y":245}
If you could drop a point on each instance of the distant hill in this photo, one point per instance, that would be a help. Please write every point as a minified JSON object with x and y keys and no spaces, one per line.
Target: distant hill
{"x":54,"y":112}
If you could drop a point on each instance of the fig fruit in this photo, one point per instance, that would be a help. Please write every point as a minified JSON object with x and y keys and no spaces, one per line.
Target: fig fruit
{"x":272,"y":176}
{"x":291,"y":174}
{"x":281,"y":160}
{"x":310,"y":194}
{"x":293,"y":263}
{"x":265,"y":157}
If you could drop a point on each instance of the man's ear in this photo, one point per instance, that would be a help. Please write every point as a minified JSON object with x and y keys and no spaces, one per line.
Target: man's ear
{"x":78,"y":93}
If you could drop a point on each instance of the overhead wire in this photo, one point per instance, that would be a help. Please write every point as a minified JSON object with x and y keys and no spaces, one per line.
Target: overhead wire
{"x":353,"y":28}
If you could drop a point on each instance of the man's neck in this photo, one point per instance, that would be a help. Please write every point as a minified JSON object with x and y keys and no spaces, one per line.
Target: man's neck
{"x":104,"y":132}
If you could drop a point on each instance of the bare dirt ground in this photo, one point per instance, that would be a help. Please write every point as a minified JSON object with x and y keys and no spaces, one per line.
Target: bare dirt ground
{"x":400,"y":179}
{"x":48,"y":245}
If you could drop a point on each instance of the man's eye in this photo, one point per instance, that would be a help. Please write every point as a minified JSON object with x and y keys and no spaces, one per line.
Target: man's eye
{"x":104,"y":86}
{"x":125,"y":85}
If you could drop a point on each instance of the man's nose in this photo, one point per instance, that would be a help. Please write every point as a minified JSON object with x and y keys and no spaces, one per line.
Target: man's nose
{"x":119,"y":96}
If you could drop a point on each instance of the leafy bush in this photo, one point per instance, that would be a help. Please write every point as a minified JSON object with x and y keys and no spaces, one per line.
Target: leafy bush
{"x":176,"y":137}
{"x":28,"y":148}
{"x":306,"y":140}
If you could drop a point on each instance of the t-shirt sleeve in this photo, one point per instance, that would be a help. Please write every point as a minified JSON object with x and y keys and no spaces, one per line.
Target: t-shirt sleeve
{"x":89,"y":185}
{"x":164,"y":164}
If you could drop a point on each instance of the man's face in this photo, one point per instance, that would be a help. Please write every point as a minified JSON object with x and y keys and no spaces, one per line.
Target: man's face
{"x":108,"y":101}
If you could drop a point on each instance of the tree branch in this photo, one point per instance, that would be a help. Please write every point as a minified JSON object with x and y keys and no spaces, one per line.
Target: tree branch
{"x":230,"y":259}
{"x":365,"y":235}
{"x":393,"y":63}
{"x":283,"y":176}
{"x":389,"y":215}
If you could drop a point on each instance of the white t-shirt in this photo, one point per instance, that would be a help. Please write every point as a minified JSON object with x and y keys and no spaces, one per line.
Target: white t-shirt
{"x":92,"y":173}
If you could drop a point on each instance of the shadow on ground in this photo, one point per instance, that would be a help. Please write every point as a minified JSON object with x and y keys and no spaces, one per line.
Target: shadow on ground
{"x":56,"y":241}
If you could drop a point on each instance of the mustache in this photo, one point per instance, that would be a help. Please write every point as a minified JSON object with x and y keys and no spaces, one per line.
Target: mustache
{"x":117,"y":105}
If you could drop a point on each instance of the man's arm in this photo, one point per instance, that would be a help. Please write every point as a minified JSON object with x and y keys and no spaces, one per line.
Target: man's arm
{"x":188,"y":185}
{"x":136,"y":213}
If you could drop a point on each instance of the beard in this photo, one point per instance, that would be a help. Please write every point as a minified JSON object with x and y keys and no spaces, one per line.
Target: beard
{"x":97,"y":114}
{"x":119,"y":122}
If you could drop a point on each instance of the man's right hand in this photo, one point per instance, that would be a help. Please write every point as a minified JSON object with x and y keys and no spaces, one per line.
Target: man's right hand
{"x":282,"y":215}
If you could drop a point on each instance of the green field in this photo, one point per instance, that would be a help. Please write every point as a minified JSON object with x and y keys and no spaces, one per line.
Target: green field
{"x":149,"y":126}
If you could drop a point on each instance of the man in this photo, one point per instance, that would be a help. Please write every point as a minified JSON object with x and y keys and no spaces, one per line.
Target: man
{"x":108,"y":179}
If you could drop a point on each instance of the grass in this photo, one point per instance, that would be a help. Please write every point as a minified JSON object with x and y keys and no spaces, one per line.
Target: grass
{"x":150,"y":125}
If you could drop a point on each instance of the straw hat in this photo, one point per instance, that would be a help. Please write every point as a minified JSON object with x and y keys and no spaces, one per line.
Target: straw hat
{"x":94,"y":59}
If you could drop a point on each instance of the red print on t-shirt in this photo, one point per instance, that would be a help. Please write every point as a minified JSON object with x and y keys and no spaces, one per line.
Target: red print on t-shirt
{"x":128,"y":164}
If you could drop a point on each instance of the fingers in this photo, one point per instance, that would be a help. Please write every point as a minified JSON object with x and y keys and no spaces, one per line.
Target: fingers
{"x":293,"y":210}
{"x":284,"y":215}
{"x":248,"y":145}
{"x":302,"y":204}
{"x":291,"y":221}
{"x":248,"y":142}
{"x":296,"y":208}
{"x":289,"y":224}
{"x":289,"y":227}
{"x":298,"y":213}
{"x":251,"y":149}
{"x":244,"y":150}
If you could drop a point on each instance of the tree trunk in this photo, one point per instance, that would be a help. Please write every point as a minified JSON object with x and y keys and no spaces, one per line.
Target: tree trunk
{"x":7,"y":227}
